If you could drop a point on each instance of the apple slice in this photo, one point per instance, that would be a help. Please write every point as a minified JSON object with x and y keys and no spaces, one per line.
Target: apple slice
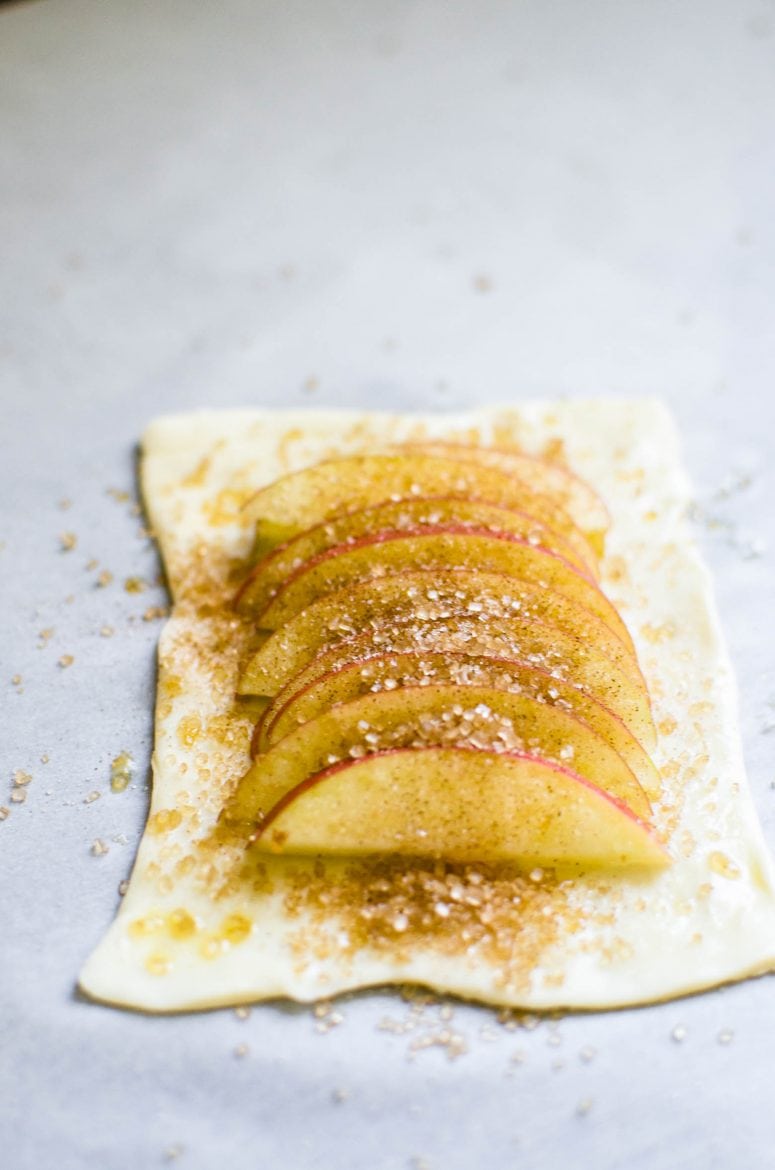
{"x":437,"y":549}
{"x":301,"y":499}
{"x":436,"y":715}
{"x":270,"y":573}
{"x":572,"y":493}
{"x":423,"y":595}
{"x":389,"y":671}
{"x":464,"y":805}
{"x":572,"y":658}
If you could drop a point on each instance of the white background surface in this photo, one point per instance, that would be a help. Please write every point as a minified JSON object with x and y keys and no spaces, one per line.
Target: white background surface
{"x":411,"y":204}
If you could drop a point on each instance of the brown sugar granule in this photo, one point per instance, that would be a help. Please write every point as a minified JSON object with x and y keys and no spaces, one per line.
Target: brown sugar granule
{"x":331,"y":1021}
{"x":391,"y":905}
{"x":508,"y":1019}
{"x":68,"y":541}
{"x":158,"y":964}
{"x":99,"y":847}
{"x":197,"y":477}
{"x":5,"y":812}
{"x":723,"y":865}
{"x":46,"y":636}
{"x":107,"y":631}
{"x":189,"y":730}
{"x":135,"y":585}
{"x":452,"y":1042}
{"x":16,"y":681}
{"x":21,"y":779}
{"x":396,"y":1027}
{"x":155,"y":611}
{"x":658,"y":634}
{"x":66,"y":660}
{"x":326,"y":1017}
{"x":164,"y":821}
{"x":120,"y":496}
{"x":91,"y":797}
{"x":121,"y":772}
{"x":19,"y":795}
{"x":104,"y":578}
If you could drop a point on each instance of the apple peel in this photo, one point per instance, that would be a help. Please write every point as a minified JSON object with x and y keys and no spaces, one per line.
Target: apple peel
{"x":571,"y":658}
{"x":573,"y":494}
{"x":412,"y":595}
{"x":442,"y":549}
{"x":271,"y":570}
{"x":492,"y":806}
{"x":371,"y":675}
{"x":434,"y":715}
{"x":328,"y":488}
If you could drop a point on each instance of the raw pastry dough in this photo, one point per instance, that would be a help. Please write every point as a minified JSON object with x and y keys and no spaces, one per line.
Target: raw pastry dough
{"x":203,"y":925}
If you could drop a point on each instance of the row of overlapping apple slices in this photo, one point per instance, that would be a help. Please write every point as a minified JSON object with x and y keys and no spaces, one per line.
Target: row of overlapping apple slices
{"x":444,"y":675}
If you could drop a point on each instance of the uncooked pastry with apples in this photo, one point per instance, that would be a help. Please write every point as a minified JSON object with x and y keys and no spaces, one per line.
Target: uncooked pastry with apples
{"x":442,"y":700}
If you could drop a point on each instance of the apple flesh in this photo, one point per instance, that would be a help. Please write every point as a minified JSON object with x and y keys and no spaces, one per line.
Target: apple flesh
{"x":569,"y":658}
{"x":445,"y":678}
{"x":436,"y":549}
{"x":436,"y":715}
{"x":272,"y":571}
{"x":460,"y":804}
{"x":410,"y":596}
{"x":388,"y":672}
{"x":298,"y":501}
{"x":573,"y":494}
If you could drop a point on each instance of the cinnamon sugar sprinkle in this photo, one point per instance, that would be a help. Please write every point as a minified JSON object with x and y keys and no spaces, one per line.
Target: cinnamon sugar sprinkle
{"x":391,"y":906}
{"x":395,"y":908}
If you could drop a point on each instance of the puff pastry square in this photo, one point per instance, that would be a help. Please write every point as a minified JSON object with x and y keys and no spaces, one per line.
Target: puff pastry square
{"x":205,"y":924}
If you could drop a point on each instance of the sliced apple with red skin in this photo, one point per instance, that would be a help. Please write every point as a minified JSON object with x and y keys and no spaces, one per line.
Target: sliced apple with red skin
{"x":438,"y":549}
{"x":572,"y":493}
{"x":568,"y":657}
{"x":425,"y":595}
{"x":463,"y":805}
{"x":298,"y":501}
{"x":436,"y":715}
{"x":272,"y":571}
{"x":419,"y":670}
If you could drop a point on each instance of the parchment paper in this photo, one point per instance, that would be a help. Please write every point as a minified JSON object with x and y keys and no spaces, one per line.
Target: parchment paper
{"x":391,"y":205}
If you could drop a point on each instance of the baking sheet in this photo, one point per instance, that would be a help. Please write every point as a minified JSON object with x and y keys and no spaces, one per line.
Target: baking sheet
{"x":243,"y":205}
